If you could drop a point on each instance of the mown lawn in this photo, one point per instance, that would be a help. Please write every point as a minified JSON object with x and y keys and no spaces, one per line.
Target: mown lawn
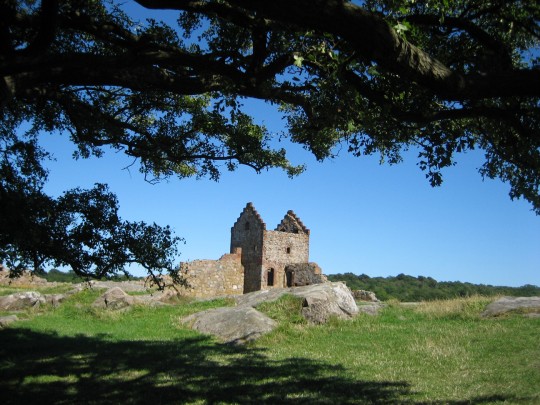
{"x":438,"y":353}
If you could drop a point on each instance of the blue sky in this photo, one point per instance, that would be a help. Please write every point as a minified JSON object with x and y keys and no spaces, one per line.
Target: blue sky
{"x":364,"y":218}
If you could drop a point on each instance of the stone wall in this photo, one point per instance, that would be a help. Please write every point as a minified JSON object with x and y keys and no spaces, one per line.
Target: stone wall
{"x":281,"y":249}
{"x":301,"y":274}
{"x":211,"y":278}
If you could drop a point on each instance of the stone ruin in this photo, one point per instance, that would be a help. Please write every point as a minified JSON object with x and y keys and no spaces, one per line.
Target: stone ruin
{"x":259,"y":259}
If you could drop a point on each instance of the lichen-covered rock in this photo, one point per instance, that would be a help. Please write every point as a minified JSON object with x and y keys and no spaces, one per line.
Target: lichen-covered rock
{"x":55,"y":299}
{"x":507,"y":304}
{"x":22,"y":300}
{"x":243,"y":323}
{"x":26,"y":278}
{"x":231,"y":324}
{"x":321,"y":301}
{"x":115,"y":298}
{"x":363,"y":295}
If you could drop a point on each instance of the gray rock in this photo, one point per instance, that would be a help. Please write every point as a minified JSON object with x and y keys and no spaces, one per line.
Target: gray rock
{"x":55,"y":299}
{"x":231,"y":325}
{"x":130,"y":286}
{"x":363,"y":295}
{"x":6,"y":320}
{"x":321,"y":301}
{"x":22,"y":300}
{"x":243,"y":323}
{"x":115,"y":298}
{"x":507,"y":304}
{"x":370,"y":309}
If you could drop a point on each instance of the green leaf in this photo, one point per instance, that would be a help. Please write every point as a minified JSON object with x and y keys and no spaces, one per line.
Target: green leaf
{"x":298,"y":60}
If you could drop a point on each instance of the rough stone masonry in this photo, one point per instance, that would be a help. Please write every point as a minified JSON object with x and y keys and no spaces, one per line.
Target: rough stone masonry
{"x":259,"y":259}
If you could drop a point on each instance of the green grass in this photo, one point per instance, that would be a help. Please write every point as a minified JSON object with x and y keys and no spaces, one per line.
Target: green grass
{"x":436,"y":353}
{"x":57,"y":289}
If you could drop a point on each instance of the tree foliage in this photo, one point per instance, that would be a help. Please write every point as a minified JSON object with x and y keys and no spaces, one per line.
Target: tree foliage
{"x":410,"y":289}
{"x":80,"y":229}
{"x":379,"y":76}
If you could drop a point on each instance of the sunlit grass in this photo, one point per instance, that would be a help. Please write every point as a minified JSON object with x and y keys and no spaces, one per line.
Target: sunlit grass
{"x":436,"y":353}
{"x":60,"y":288}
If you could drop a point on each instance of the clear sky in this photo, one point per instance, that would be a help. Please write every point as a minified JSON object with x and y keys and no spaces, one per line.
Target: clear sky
{"x":364,"y":218}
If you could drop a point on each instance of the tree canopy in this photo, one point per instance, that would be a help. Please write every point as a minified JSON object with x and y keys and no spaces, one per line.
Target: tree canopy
{"x":408,"y":288}
{"x":381,"y":77}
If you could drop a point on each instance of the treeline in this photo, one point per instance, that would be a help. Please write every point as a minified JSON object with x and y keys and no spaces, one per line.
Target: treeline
{"x":408,"y":288}
{"x":71,"y":277}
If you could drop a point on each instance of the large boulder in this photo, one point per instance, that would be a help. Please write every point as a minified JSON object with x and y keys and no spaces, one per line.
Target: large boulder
{"x":21,"y":301}
{"x":323,"y":301}
{"x":25,"y":279}
{"x":507,"y":304}
{"x":115,"y":298}
{"x":320,"y":301}
{"x":363,"y":295}
{"x":242,"y":323}
{"x":231,"y":324}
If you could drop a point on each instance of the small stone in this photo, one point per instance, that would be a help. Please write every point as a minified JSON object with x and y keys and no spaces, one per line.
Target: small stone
{"x":22,"y":300}
{"x":507,"y":304}
{"x":6,"y":320}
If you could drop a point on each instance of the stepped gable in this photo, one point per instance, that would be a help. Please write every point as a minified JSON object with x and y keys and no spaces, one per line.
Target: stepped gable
{"x":251,"y":209}
{"x":292,"y":224}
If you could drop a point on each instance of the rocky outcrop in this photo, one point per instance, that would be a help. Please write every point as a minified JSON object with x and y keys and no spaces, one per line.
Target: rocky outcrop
{"x":116,"y":298}
{"x":231,"y":325}
{"x":133,"y":285}
{"x":507,"y":304}
{"x":21,"y":301}
{"x":363,"y":295}
{"x":323,"y":301}
{"x":320,"y":301}
{"x":242,"y":323}
{"x":31,"y":299}
{"x":26,"y":278}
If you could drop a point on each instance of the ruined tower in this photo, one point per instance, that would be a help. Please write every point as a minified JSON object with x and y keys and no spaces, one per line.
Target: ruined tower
{"x":266,"y":255}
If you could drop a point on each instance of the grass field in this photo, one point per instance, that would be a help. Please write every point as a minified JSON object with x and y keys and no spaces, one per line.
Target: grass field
{"x":434,"y":353}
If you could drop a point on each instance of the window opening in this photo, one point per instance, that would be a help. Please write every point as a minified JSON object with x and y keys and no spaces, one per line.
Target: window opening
{"x":246,"y":226}
{"x":288,"y":250}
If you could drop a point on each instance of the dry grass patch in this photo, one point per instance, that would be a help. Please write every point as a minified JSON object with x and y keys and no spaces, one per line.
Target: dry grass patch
{"x":461,"y":308}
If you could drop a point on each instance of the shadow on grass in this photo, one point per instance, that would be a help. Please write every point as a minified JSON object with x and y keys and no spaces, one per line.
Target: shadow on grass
{"x":46,"y":368}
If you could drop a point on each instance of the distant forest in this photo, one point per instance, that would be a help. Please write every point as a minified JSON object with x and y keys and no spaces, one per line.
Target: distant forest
{"x":402,"y":287}
{"x":71,"y":277}
{"x":408,"y":288}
